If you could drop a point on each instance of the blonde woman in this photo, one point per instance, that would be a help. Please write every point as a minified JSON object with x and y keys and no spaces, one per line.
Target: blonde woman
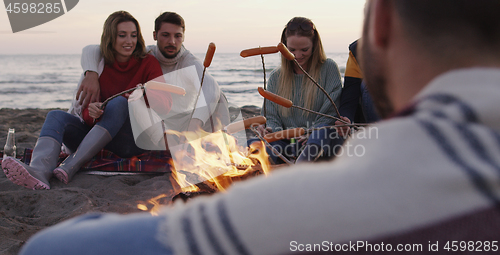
{"x":303,"y":40}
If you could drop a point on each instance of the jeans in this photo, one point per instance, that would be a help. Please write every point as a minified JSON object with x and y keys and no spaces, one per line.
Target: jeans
{"x":70,"y":130}
{"x":109,"y":234}
{"x":327,"y":139}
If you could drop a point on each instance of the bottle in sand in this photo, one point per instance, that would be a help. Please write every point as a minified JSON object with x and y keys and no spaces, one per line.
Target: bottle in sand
{"x":9,"y":150}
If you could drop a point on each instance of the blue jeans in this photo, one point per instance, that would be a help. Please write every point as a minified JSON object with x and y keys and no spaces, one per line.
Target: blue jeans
{"x":70,"y":130}
{"x":327,"y":139}
{"x":109,"y":234}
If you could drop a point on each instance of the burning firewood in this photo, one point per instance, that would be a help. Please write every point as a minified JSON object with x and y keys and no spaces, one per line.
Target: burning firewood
{"x":208,"y":187}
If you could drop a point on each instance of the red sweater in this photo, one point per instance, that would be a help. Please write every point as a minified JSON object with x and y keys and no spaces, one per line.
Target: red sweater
{"x":122,"y":76}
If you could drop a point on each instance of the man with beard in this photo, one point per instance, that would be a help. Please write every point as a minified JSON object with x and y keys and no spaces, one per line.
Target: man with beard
{"x":176,"y":61}
{"x":429,"y":181}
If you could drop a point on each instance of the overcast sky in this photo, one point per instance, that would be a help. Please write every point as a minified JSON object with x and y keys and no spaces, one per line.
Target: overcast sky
{"x":233,"y":25}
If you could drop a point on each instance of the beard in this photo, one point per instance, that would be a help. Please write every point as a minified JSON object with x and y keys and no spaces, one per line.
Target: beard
{"x":169,"y":56}
{"x":372,"y":68}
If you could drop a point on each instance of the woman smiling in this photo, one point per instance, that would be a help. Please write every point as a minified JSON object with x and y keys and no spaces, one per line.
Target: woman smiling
{"x":126,"y":65}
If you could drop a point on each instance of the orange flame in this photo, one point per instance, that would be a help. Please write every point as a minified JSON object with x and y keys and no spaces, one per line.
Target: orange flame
{"x":156,"y":205}
{"x":214,"y":159}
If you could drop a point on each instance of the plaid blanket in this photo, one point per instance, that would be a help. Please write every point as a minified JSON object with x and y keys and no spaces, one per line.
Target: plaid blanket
{"x":106,"y":161}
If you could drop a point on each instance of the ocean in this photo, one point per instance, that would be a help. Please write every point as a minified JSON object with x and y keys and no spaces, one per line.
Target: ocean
{"x":49,"y":81}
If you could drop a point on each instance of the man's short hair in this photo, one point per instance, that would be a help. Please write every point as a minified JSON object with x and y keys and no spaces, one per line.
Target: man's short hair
{"x":169,"y":17}
{"x":467,"y":22}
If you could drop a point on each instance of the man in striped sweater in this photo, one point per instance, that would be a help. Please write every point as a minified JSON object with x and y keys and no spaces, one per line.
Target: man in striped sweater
{"x":425,"y":179}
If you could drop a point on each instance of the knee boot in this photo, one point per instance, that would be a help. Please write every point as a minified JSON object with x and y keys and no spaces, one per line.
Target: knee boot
{"x":37,"y":174}
{"x":93,"y":142}
{"x":310,"y":153}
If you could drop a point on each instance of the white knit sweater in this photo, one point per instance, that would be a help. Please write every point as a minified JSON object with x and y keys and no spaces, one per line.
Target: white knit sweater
{"x":183,"y":64}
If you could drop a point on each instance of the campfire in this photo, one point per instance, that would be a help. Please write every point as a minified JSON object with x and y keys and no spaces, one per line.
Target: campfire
{"x":207,"y":163}
{"x":211,"y":162}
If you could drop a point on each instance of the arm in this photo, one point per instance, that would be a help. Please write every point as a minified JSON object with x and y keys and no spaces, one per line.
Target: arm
{"x":330,"y":79}
{"x":351,"y":92}
{"x":89,"y":90}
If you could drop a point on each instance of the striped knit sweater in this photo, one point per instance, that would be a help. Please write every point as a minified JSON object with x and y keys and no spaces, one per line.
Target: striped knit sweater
{"x":329,"y":79}
{"x":428,"y":176}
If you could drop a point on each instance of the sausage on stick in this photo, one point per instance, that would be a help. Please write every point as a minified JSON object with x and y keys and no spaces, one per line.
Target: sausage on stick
{"x":259,"y":51}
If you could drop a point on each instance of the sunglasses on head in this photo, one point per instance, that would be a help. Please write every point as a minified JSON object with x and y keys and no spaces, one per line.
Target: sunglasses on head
{"x":306,"y":26}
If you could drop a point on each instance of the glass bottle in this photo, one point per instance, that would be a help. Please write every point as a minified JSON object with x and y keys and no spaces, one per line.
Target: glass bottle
{"x":9,"y":150}
{"x":293,"y":143}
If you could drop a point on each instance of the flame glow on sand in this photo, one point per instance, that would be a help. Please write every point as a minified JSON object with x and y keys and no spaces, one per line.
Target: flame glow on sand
{"x":213,"y":159}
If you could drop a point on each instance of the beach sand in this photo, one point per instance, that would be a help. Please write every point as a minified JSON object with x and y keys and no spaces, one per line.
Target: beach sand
{"x":24,"y":212}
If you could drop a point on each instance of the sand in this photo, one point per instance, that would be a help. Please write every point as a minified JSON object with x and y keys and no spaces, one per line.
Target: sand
{"x":24,"y":212}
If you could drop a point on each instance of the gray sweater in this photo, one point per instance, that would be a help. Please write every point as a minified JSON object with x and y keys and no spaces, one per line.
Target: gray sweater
{"x":329,"y":79}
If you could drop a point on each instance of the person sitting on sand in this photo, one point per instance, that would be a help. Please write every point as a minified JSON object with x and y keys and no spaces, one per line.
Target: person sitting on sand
{"x":127,"y":65}
{"x":288,"y":80}
{"x":211,"y":107}
{"x":429,"y":181}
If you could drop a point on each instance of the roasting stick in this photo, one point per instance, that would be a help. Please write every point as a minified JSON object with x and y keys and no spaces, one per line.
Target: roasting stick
{"x":288,"y":55}
{"x":288,"y":103}
{"x":284,"y":134}
{"x":239,"y":126}
{"x":152,"y":85}
{"x":206,"y":63}
{"x":251,"y":123}
{"x":260,"y":51}
{"x":269,"y":146}
{"x":208,"y":60}
{"x":296,"y":132}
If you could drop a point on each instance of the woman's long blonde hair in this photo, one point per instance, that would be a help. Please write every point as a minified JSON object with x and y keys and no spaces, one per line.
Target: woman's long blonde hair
{"x":110,"y":32}
{"x":286,"y":77}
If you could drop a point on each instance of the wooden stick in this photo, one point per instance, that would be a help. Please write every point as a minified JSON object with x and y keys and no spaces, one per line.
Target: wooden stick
{"x":319,"y":86}
{"x":288,"y":103}
{"x":117,"y":95}
{"x":264,"y":69}
{"x":270,"y":146}
{"x":206,"y":63}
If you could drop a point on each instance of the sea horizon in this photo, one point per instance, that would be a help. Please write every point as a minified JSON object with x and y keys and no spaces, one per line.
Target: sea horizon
{"x":44,"y":81}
